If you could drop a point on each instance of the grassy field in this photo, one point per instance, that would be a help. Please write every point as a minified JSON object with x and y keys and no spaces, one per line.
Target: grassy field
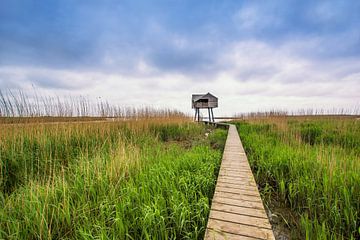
{"x":308,"y":169}
{"x":136,"y":179}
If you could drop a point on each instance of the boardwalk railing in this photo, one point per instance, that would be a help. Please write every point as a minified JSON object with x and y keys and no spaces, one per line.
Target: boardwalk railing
{"x":237,"y":211}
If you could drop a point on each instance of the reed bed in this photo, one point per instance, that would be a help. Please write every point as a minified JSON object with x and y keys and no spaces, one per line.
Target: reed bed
{"x":302,"y":113}
{"x":18,"y":105}
{"x":308,"y":170}
{"x":135,"y":179}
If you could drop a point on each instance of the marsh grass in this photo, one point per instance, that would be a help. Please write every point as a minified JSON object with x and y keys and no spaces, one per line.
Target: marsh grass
{"x":311,"y":166}
{"x":16,"y":106}
{"x":134,"y":179}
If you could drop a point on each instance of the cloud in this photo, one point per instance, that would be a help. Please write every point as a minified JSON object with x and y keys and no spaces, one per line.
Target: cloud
{"x":253,"y":72}
{"x":256,"y":17}
{"x":46,"y":78}
{"x":253,"y":55}
{"x":187,"y":61}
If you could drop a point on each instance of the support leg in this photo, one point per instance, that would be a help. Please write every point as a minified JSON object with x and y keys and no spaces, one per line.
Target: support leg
{"x":212,"y":114}
{"x":209,"y":115}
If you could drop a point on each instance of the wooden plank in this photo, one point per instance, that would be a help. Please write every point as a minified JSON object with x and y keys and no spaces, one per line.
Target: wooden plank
{"x":236,"y":186}
{"x":234,"y":152}
{"x":249,"y":180}
{"x":238,"y":202}
{"x":240,"y":176}
{"x":236,"y":165}
{"x":260,"y":213}
{"x":237,"y":196}
{"x":241,"y":179}
{"x":237,"y":178}
{"x":251,"y":192}
{"x":231,"y":170}
{"x":241,"y":183}
{"x":212,"y":234}
{"x":234,"y":175}
{"x":240,"y":229}
{"x":239,"y":218}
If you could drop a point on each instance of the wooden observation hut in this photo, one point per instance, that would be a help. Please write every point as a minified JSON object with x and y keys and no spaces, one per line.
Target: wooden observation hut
{"x":208,"y":101}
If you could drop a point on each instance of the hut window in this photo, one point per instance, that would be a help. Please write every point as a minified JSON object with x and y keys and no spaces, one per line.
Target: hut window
{"x":203,"y":100}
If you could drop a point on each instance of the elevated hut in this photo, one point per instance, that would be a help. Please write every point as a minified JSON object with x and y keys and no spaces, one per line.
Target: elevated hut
{"x":208,"y":101}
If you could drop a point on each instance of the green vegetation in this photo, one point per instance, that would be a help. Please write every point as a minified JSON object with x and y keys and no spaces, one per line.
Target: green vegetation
{"x":146,"y":179}
{"x":310,"y":166}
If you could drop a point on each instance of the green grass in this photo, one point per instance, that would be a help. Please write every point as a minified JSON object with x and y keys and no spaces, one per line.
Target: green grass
{"x":310,"y":167}
{"x":130,"y":180}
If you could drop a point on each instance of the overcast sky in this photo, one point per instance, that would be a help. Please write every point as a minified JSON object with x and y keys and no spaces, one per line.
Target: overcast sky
{"x":253,"y":55}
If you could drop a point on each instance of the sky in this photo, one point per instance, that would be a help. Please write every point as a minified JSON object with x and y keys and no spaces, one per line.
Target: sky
{"x":253,"y":55}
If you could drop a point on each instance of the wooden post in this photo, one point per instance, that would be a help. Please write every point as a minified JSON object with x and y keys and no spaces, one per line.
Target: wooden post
{"x":212,"y":114}
{"x":196,"y":112}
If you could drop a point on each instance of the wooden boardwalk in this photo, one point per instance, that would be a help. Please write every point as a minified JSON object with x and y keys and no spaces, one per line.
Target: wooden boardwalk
{"x":237,"y":211}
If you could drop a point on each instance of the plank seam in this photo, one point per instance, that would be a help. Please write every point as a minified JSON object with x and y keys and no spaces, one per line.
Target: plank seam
{"x":240,"y":187}
{"x":243,"y":235}
{"x":250,"y":201}
{"x":246,"y":194}
{"x":249,"y":225}
{"x":242,"y":214}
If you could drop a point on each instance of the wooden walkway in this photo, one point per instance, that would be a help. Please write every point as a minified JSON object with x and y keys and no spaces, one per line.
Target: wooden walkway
{"x":237,"y":211}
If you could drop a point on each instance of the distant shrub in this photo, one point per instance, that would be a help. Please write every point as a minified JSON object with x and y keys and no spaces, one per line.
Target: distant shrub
{"x":310,"y":133}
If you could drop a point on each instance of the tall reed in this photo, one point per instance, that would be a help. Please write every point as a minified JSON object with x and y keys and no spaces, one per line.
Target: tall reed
{"x":18,"y":104}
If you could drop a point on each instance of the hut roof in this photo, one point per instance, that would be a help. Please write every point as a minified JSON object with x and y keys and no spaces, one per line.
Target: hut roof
{"x":196,"y":97}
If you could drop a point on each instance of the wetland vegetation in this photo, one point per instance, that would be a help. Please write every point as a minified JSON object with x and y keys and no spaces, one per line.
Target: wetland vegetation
{"x":310,"y":168}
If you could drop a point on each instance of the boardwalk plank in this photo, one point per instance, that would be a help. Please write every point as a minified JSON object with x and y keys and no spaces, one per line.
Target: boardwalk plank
{"x":260,"y":213}
{"x":235,"y":174}
{"x":245,"y":182}
{"x":238,"y":178}
{"x":240,"y":229}
{"x":238,"y":202}
{"x":237,"y":196}
{"x":236,"y":170}
{"x":215,"y":235}
{"x":239,"y":218}
{"x":236,"y":186}
{"x":252,"y":192}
